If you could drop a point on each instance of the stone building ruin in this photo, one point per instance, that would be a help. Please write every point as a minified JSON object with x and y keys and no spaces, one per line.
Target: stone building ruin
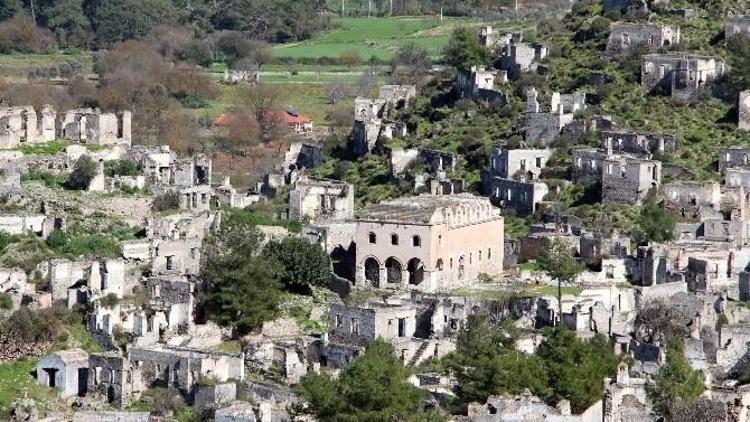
{"x":682,"y":76}
{"x":92,"y":126}
{"x":517,"y":163}
{"x":628,"y":179}
{"x":640,"y":144}
{"x":24,"y":125}
{"x":373,"y":117}
{"x":478,"y":83}
{"x":736,"y":26}
{"x":183,"y":368}
{"x":626,"y":37}
{"x":321,"y":198}
{"x":544,"y":126}
{"x":733,"y":157}
{"x":518,"y":56}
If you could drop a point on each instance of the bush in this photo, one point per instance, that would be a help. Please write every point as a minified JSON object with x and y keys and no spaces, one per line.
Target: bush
{"x":27,"y":253}
{"x":6,"y":301}
{"x":163,"y":401}
{"x":166,"y":201}
{"x":83,"y":173}
{"x":21,"y":35}
{"x":32,"y":325}
{"x":110,"y":300}
{"x":301,"y":263}
{"x":48,"y":178}
{"x":83,"y":245}
{"x":121,"y":168}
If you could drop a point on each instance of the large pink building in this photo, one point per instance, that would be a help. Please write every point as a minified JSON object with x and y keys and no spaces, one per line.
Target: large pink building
{"x":428,"y":242}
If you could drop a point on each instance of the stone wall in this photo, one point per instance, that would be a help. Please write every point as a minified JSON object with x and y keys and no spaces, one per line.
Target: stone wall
{"x":24,"y":125}
{"x":587,"y":164}
{"x":520,"y":196}
{"x":112,"y":377}
{"x":112,"y":416}
{"x":510,"y":164}
{"x":629,"y":179}
{"x":734,"y":156}
{"x":637,"y":143}
{"x":627,"y":37}
{"x":743,"y":110}
{"x":97,"y":128}
{"x":691,"y":198}
{"x":679,"y":75}
{"x":350,"y":325}
{"x":737,"y":25}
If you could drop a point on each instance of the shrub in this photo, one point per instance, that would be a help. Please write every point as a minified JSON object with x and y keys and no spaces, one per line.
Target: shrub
{"x":166,"y":201}
{"x":121,"y":168}
{"x":83,"y":245}
{"x":83,"y":173}
{"x":20,"y":34}
{"x":30,"y":325}
{"x":48,"y":178}
{"x":6,"y":301}
{"x":110,"y":300}
{"x":26,"y":254}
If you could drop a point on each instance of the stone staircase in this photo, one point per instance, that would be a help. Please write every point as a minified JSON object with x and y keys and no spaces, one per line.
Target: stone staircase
{"x":418,"y":354}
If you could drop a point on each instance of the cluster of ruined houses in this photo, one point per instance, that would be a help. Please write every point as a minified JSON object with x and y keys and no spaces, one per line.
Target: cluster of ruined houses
{"x":25,"y":125}
{"x":415,"y":250}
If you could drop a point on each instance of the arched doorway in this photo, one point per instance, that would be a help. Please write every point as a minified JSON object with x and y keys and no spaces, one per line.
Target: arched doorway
{"x":372,"y":271}
{"x":394,"y":270}
{"x":415,"y":267}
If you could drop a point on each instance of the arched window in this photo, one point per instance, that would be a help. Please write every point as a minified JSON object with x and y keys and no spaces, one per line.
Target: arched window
{"x":415,"y":268}
{"x":480,"y":256}
{"x":439,"y":264}
{"x":393,"y":270}
{"x":470,"y":258}
{"x":489,"y":253}
{"x":372,"y":237}
{"x":451,"y":263}
{"x":416,"y":241}
{"x":394,"y":239}
{"x":372,"y":271}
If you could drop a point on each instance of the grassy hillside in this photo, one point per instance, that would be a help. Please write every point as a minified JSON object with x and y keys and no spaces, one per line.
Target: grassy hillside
{"x":376,"y":37}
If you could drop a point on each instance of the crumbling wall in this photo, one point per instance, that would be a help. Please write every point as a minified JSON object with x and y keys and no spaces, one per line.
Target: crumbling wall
{"x":737,"y":26}
{"x":629,"y":179}
{"x":521,"y":196}
{"x":743,"y":111}
{"x":24,"y":125}
{"x":94,"y":127}
{"x":734,"y":156}
{"x":587,"y":164}
{"x":627,"y":37}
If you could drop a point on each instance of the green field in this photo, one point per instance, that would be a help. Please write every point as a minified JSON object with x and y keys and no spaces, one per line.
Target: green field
{"x":376,"y":37}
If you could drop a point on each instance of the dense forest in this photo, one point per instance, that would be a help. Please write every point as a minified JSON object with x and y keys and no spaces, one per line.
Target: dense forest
{"x":99,"y":23}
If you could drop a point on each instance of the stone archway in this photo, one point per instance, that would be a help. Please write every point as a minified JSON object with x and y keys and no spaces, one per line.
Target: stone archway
{"x":415,"y":267}
{"x":394,"y":270}
{"x":372,"y":272}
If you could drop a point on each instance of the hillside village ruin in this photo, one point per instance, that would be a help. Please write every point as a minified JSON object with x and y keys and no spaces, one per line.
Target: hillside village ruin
{"x":410,"y":270}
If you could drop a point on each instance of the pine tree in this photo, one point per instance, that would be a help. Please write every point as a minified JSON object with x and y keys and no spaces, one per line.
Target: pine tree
{"x":676,"y":380}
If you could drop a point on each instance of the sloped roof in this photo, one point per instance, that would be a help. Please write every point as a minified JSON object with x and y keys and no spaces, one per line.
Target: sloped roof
{"x":416,"y":209}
